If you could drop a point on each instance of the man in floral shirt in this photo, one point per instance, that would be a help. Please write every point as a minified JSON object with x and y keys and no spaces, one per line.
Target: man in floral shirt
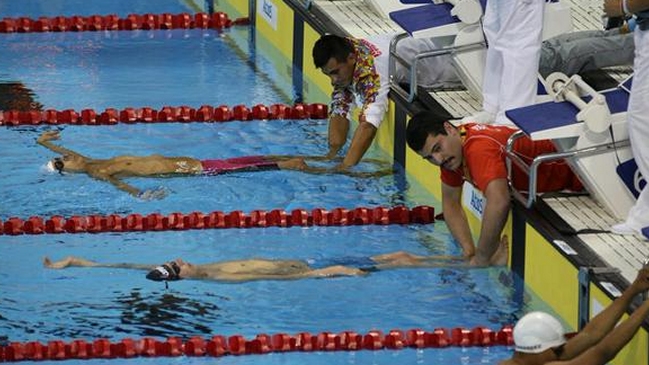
{"x":358,"y":71}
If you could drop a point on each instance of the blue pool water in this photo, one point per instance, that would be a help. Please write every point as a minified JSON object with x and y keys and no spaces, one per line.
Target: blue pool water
{"x":88,"y":70}
{"x":132,"y":69}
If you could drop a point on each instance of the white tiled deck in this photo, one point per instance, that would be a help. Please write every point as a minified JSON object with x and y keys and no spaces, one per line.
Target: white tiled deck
{"x":582,"y":213}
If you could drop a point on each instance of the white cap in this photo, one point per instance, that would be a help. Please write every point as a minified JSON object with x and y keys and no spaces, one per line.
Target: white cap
{"x":50,"y":166}
{"x":537,"y":332}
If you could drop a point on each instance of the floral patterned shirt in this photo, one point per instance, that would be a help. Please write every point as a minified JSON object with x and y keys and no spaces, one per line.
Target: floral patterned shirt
{"x":369,"y":87}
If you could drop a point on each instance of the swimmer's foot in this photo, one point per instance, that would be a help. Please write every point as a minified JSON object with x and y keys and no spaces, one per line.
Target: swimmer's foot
{"x":501,"y":256}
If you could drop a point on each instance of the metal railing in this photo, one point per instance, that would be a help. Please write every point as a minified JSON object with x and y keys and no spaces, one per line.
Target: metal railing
{"x":411,"y":94}
{"x":532,"y":169}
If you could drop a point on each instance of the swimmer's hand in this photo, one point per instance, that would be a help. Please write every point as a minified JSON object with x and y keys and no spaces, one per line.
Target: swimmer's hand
{"x":154,"y":194}
{"x":48,"y":136}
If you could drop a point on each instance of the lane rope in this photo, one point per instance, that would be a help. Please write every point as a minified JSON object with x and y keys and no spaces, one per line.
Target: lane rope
{"x":166,"y":114}
{"x":112,"y":22}
{"x":217,"y":220}
{"x":262,"y":344}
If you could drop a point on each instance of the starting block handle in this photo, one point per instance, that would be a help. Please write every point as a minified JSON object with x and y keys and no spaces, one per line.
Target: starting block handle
{"x":595,"y":114}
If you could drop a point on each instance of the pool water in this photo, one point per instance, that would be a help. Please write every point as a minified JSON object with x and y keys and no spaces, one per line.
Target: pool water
{"x":120,"y":69}
{"x":99,"y":70}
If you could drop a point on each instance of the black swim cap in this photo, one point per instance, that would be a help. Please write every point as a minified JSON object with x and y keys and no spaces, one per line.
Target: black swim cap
{"x":165,"y":272}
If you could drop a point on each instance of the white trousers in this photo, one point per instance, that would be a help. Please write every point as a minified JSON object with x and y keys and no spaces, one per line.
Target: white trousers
{"x":638,"y":124}
{"x":513,"y":29}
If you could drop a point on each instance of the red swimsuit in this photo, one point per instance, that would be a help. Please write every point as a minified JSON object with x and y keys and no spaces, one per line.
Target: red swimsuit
{"x":248,"y":163}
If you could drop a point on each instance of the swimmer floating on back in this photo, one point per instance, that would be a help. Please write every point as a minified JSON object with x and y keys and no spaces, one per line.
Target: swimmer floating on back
{"x":112,"y":169}
{"x":264,"y":269}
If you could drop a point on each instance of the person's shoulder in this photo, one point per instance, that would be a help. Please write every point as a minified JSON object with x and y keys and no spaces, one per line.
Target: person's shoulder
{"x":491,"y":133}
{"x":478,"y":128}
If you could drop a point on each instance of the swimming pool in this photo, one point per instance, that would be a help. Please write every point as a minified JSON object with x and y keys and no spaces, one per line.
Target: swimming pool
{"x":88,"y":70}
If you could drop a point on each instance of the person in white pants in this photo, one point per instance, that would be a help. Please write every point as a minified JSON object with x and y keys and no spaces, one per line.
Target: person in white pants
{"x":513,"y":29}
{"x":638,"y":112}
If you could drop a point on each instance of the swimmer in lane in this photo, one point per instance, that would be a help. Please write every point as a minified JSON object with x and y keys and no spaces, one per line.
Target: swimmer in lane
{"x":234,"y":271}
{"x":115,"y":168}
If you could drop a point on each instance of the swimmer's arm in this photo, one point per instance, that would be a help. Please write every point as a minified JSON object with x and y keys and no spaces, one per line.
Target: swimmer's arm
{"x":117,"y":183}
{"x":72,"y":261}
{"x":126,"y":265}
{"x":45,"y":141}
{"x":605,"y":350}
{"x":603,"y":324}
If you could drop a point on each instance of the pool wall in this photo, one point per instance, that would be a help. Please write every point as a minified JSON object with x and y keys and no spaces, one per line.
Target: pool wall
{"x":286,"y":31}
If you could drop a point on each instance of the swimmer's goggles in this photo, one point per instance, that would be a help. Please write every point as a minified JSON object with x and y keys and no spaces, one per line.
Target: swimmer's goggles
{"x":169,"y":271}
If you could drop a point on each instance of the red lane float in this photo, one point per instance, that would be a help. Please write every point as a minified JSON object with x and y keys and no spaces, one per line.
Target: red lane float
{"x":167,"y":114}
{"x":110,"y":22}
{"x":235,"y":219}
{"x":261,"y":344}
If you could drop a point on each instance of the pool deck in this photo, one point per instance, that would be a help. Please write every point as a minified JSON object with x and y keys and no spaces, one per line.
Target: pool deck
{"x":581,"y":213}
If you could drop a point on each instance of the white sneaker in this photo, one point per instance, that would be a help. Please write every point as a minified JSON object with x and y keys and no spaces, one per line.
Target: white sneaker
{"x":481,"y":117}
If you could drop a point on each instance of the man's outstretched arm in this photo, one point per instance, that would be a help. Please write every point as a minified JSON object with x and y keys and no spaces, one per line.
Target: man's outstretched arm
{"x":117,"y":183}
{"x":494,"y":217}
{"x":361,"y":142}
{"x":455,"y":218}
{"x":73,"y":261}
{"x":606,"y":350}
{"x":603,"y":323}
{"x":121,"y":185}
{"x":338,"y":130}
{"x":45,"y":140}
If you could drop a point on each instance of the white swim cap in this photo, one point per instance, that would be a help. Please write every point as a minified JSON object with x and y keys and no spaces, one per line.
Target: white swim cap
{"x":50,"y":166}
{"x":537,"y":332}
